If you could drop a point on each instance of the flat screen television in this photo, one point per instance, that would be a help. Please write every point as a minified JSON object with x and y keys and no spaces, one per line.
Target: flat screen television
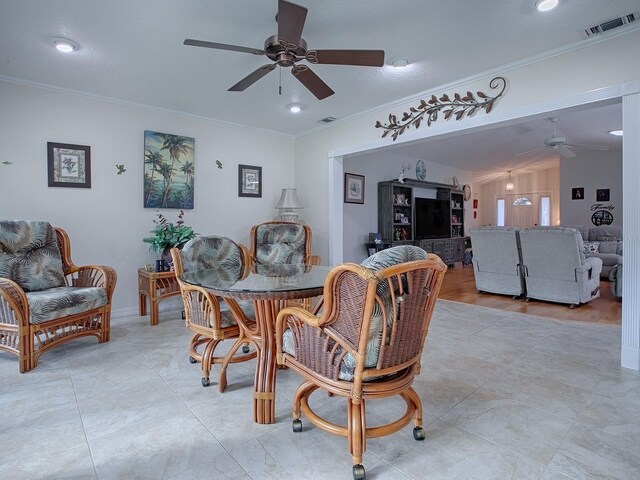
{"x":433,"y":218}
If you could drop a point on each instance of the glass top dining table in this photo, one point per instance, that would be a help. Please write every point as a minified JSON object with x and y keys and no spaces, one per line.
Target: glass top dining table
{"x":269,"y":287}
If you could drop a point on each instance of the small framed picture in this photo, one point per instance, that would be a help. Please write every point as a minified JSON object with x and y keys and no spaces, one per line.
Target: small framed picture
{"x":354,"y":188}
{"x":602,"y":195}
{"x":249,"y":181}
{"x":577,"y":193}
{"x":69,"y":165}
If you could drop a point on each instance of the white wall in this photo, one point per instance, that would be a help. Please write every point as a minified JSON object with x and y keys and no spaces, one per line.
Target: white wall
{"x":591,"y":170}
{"x":360,"y":219}
{"x":107,"y":222}
{"x":547,"y":180}
{"x":529,"y":84}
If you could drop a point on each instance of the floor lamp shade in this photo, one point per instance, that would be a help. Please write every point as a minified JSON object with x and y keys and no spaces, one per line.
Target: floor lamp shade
{"x":288,"y":204}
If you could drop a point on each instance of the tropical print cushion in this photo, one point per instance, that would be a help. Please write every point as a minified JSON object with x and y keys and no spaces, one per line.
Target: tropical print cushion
{"x":220,"y":253}
{"x":29,"y":255}
{"x":64,"y":301}
{"x":280,"y":243}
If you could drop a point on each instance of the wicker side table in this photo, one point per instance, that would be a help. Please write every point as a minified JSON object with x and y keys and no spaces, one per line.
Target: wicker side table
{"x":155,"y":286}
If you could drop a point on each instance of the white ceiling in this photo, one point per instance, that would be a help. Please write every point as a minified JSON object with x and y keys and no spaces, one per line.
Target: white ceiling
{"x":133,"y":51}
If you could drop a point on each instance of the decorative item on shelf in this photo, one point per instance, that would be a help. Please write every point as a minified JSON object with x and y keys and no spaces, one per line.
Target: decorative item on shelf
{"x":455,"y":183}
{"x":421,"y":170}
{"x":459,"y":107}
{"x":288,"y":204}
{"x":167,"y":235}
{"x":400,"y":199}
{"x":405,"y":168}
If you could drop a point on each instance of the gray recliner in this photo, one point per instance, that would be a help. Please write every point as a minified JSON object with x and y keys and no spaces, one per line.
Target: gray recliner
{"x":497,"y":260}
{"x":555,"y":266}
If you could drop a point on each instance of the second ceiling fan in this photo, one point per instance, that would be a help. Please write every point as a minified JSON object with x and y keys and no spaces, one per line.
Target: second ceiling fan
{"x":287,"y":48}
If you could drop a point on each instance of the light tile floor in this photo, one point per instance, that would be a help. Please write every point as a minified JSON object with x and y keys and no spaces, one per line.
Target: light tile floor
{"x":506,"y":396}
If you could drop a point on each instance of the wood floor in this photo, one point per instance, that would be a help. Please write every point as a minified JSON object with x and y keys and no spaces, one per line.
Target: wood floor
{"x":459,"y":286}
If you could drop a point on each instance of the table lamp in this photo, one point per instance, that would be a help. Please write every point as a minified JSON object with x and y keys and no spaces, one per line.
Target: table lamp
{"x":288,"y":204}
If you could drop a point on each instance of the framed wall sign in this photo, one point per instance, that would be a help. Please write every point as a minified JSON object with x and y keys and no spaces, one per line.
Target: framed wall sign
{"x":577,"y":193}
{"x":69,"y":165}
{"x":353,"y":188}
{"x":249,"y":181}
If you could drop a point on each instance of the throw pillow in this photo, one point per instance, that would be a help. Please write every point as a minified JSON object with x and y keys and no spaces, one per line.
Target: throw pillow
{"x":591,"y":247}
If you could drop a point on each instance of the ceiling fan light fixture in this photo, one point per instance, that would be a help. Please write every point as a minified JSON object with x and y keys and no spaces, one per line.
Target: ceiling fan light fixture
{"x":546,"y":5}
{"x":615,"y":133}
{"x":65,"y":45}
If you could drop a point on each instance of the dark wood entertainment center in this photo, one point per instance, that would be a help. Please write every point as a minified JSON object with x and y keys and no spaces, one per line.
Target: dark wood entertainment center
{"x":397,"y":217}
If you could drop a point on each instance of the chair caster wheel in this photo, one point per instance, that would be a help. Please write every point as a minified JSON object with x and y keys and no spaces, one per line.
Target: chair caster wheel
{"x":205,"y":382}
{"x":245,"y":348}
{"x":192,"y":360}
{"x":418,"y":433}
{"x":358,"y":472}
{"x":297,"y":425}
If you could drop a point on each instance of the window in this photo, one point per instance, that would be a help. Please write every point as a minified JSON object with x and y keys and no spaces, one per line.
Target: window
{"x":522,"y":201}
{"x":545,"y":211}
{"x":500,"y":212}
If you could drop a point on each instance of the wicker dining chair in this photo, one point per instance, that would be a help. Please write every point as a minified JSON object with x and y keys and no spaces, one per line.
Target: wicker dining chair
{"x":203,"y":315}
{"x":367,"y":343}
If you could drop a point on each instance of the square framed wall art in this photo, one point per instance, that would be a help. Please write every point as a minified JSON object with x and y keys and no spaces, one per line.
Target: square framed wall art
{"x":249,"y":181}
{"x":69,"y":165}
{"x":577,"y":193}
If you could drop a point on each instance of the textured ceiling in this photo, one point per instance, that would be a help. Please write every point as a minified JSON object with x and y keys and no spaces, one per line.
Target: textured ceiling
{"x":133,"y":50}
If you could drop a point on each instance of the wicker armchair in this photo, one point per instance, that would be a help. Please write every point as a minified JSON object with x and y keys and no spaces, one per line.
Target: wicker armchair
{"x":282,"y":242}
{"x":367,"y":343}
{"x":210,"y":324}
{"x":45,"y":299}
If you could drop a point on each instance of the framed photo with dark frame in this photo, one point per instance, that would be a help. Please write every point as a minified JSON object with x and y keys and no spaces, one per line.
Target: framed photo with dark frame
{"x":69,"y":165}
{"x":249,"y":181}
{"x":602,"y":195}
{"x":577,"y":193}
{"x":353,"y":188}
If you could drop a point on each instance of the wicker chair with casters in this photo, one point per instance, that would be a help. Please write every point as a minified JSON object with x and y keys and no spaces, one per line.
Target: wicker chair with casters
{"x":283,"y":242}
{"x":367,"y":343}
{"x":45,"y":299}
{"x":211,"y":325}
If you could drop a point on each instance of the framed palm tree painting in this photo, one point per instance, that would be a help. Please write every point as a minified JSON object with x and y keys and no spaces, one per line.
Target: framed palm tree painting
{"x":169,"y":170}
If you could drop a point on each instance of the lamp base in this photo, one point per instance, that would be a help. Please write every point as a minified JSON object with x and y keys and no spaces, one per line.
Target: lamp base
{"x":289,"y":216}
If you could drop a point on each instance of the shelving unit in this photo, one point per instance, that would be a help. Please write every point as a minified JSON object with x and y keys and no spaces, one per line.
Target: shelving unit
{"x":396,"y":218}
{"x":395,"y":212}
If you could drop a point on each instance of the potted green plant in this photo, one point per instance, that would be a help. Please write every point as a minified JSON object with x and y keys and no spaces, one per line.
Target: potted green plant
{"x":167,"y":235}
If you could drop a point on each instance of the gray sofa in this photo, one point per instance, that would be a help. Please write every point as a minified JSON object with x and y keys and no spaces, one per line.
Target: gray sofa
{"x":496,"y":260}
{"x":555,"y":266}
{"x":609,"y":247}
{"x":616,"y":278}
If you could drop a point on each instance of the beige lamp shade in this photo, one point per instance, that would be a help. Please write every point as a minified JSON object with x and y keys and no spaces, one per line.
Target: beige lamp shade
{"x":288,"y":204}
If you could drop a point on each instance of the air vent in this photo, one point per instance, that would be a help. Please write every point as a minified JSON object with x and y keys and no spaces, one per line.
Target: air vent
{"x":327,"y":120}
{"x":611,"y":24}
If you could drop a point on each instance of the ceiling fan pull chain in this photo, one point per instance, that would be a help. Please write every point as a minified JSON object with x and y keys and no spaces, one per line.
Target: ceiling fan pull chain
{"x":280,"y":85}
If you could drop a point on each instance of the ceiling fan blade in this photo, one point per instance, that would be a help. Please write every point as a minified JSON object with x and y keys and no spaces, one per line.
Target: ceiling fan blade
{"x":291,"y":18}
{"x":222,"y":46}
{"x":601,"y":148}
{"x":365,"y":58}
{"x":252,"y":78}
{"x":565,"y":152}
{"x":313,"y":82}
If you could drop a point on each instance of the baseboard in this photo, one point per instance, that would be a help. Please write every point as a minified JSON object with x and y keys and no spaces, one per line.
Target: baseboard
{"x":630,"y":358}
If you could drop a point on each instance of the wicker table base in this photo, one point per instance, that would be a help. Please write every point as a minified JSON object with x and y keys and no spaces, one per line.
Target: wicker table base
{"x":155,"y":286}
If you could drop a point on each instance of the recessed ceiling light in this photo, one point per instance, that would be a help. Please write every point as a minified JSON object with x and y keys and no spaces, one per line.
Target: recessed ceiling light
{"x":546,"y":5}
{"x":65,"y":45}
{"x":617,"y":133}
{"x":399,"y":62}
{"x":295,"y":107}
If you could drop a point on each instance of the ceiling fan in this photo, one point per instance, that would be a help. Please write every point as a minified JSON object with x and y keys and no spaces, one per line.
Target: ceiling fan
{"x":287,"y":48}
{"x":559,"y":143}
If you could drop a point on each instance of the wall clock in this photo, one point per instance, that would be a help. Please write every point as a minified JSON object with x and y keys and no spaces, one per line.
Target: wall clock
{"x":421,"y":170}
{"x":467,"y":191}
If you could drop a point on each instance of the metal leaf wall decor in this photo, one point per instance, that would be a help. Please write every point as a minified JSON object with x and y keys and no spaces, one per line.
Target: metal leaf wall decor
{"x":459,"y":106}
